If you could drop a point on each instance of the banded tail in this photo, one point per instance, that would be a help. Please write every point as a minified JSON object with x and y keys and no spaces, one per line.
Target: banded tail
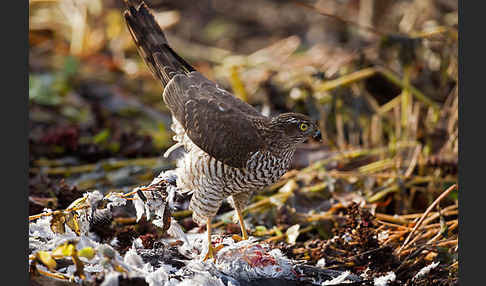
{"x":152,"y":44}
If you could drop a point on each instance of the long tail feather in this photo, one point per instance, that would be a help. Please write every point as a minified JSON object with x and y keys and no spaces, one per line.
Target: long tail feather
{"x":152,"y":44}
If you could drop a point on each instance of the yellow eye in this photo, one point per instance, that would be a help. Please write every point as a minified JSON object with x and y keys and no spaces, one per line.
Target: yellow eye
{"x":304,"y":126}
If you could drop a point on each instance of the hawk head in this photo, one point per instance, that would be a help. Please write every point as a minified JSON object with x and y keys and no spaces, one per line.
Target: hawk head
{"x":295,"y":127}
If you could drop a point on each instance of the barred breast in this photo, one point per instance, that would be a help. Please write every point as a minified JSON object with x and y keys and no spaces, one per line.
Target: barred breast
{"x":211,"y":181}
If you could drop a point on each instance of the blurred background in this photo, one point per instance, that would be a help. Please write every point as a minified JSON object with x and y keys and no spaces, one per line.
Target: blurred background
{"x":381,"y":77}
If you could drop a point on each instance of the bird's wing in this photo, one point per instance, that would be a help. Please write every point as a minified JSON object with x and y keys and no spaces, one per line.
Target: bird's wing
{"x":215,"y":120}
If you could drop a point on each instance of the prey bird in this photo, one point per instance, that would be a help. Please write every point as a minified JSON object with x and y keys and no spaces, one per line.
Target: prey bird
{"x":230,"y":149}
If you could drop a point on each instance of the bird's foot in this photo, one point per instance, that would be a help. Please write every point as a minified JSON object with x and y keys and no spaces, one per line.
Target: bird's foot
{"x":238,"y":238}
{"x":212,"y":252}
{"x":245,"y":235}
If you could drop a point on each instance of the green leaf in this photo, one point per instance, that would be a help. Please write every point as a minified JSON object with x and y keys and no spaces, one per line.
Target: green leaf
{"x":41,"y":91}
{"x":260,"y":230}
{"x":278,"y":232}
{"x":58,"y":252}
{"x":69,"y":250}
{"x":87,"y":252}
{"x":64,"y":250}
{"x":46,"y":259}
{"x":71,"y":66}
{"x":102,"y":136}
{"x":114,"y":147}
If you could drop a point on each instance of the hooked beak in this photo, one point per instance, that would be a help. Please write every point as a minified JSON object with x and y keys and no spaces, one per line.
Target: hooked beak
{"x":318,"y":136}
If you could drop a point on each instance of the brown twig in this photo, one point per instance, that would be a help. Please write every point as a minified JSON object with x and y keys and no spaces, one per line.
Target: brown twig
{"x":422,"y":218}
{"x":37,"y":216}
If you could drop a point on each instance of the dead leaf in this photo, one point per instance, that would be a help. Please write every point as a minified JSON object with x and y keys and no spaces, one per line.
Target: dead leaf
{"x":72,"y":222}
{"x":292,"y":234}
{"x":57,"y":223}
{"x":46,"y":259}
{"x":63,"y":250}
{"x":87,"y":252}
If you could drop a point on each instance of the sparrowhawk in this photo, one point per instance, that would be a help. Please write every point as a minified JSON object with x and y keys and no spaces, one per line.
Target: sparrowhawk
{"x":230,"y":149}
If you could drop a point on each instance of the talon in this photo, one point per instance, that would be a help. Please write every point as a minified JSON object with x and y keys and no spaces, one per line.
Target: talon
{"x":210,"y":254}
{"x":217,"y":248}
{"x":211,"y":250}
{"x":237,"y":238}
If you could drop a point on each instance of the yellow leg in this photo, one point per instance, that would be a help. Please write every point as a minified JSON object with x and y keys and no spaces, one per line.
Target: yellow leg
{"x":210,"y":253}
{"x":242,"y":223}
